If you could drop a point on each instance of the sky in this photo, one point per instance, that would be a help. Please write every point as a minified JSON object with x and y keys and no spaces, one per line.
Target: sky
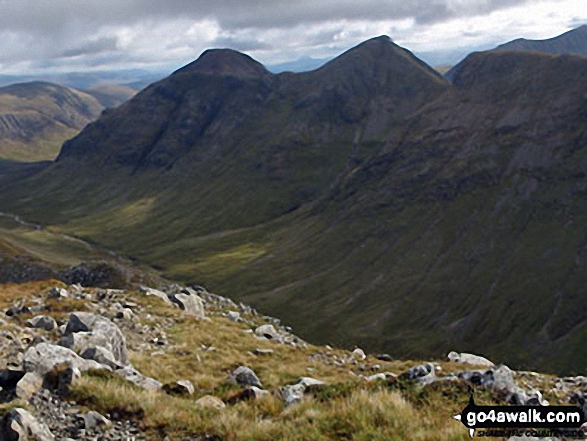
{"x":56,"y":36}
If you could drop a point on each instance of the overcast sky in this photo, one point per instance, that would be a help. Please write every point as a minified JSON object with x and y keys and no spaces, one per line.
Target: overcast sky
{"x":77,"y":35}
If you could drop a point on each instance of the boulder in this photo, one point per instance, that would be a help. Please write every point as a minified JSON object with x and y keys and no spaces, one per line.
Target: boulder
{"x":423,"y":373}
{"x":101,"y":355}
{"x":42,"y":322}
{"x":309,"y":382}
{"x":61,"y":378}
{"x":267,"y":331}
{"x":93,"y":420}
{"x":58,"y":293}
{"x":246,"y":377}
{"x":293,"y":394}
{"x":28,"y":385}
{"x":192,"y":304}
{"x":253,"y":393}
{"x":359,"y":354}
{"x":131,"y":374}
{"x":154,"y":292}
{"x":181,"y":387}
{"x":101,"y":333}
{"x":43,"y":357}
{"x":233,"y":316}
{"x":19,"y":425}
{"x":472,"y":359}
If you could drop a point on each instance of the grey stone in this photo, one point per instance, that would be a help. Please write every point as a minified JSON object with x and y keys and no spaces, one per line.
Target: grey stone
{"x":267,"y":331}
{"x":309,"y":382}
{"x":28,"y":385}
{"x":423,"y":373}
{"x":260,"y":352}
{"x":233,"y":316}
{"x":101,"y":332}
{"x":58,"y":293}
{"x":254,"y":393}
{"x":19,"y":425}
{"x":94,"y":420}
{"x":42,"y":322}
{"x":181,"y":387}
{"x":43,"y":357}
{"x":192,"y":304}
{"x":102,"y":356}
{"x":246,"y":377}
{"x":131,"y":374}
{"x":472,"y":359}
{"x":154,"y":292}
{"x":293,"y":394}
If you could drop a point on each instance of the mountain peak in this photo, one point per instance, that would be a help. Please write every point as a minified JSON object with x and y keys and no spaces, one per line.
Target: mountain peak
{"x":225,"y":62}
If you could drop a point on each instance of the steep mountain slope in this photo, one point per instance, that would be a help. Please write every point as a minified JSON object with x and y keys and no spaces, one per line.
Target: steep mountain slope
{"x":573,"y":42}
{"x":36,"y":117}
{"x":366,"y":202}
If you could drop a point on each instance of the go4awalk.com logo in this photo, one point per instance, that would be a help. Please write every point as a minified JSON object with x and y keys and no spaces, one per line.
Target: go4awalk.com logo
{"x":538,"y":421}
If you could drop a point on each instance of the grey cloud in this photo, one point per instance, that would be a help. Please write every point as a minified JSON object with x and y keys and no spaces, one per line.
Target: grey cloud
{"x":60,"y":16}
{"x":104,"y":44}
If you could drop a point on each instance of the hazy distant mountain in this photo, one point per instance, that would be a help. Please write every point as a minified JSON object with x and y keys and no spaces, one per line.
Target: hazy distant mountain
{"x":136,"y":79}
{"x":303,"y":64}
{"x":366,"y":202}
{"x":572,"y":42}
{"x":37,"y":117}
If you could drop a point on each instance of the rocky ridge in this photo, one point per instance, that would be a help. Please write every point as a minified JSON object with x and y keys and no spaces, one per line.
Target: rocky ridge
{"x":49,"y":348}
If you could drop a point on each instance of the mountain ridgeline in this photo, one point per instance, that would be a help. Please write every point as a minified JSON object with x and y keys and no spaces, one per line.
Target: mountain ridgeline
{"x":369,"y":202}
{"x":573,"y":42}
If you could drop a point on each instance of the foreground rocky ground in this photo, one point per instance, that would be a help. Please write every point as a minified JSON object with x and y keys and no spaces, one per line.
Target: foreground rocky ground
{"x":180,"y":363}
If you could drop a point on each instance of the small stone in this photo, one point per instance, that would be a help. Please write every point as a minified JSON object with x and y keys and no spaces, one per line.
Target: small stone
{"x":384,"y":357}
{"x":42,"y":322}
{"x":261,"y":352}
{"x":58,"y":293}
{"x":94,"y":419}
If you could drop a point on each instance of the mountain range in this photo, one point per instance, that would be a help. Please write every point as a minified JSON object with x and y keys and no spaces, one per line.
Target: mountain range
{"x":573,"y":42}
{"x":370,"y":201}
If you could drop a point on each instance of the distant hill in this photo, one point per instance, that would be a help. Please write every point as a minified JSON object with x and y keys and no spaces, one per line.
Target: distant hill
{"x":367,"y":202}
{"x":112,"y":95}
{"x":573,"y":42}
{"x":36,"y":117}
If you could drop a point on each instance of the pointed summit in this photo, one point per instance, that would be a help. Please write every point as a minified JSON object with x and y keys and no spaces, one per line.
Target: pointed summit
{"x":225,"y":62}
{"x":381,"y":56}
